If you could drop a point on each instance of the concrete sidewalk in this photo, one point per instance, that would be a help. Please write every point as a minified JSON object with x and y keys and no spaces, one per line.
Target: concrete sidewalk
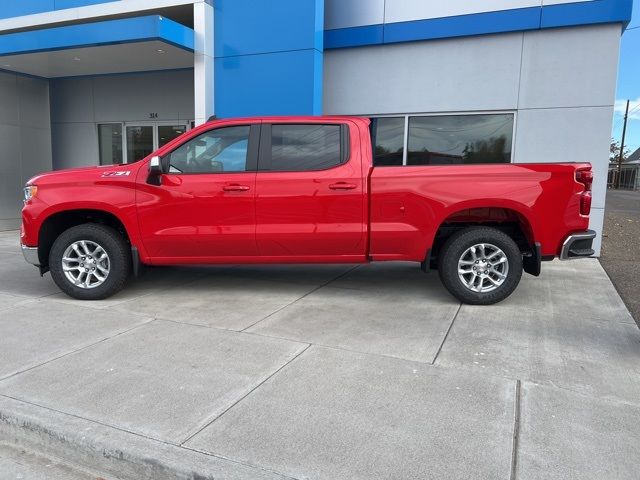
{"x":327,"y":372}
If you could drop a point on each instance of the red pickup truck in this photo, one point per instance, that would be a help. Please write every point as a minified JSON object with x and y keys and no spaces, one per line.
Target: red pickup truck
{"x":303,"y":190}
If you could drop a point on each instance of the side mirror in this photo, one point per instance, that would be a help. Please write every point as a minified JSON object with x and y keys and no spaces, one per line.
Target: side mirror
{"x":155,"y":171}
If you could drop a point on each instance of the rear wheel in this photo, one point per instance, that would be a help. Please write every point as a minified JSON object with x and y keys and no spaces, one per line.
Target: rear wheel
{"x":90,"y":261}
{"x":480,"y":265}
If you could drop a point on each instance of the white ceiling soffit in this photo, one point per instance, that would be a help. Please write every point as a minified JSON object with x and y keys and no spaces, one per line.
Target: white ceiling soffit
{"x":118,"y":58}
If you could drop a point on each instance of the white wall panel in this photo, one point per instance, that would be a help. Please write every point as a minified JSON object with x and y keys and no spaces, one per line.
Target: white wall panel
{"x":10,"y":177}
{"x":559,"y":2}
{"x":596,"y":222}
{"x":352,"y":13}
{"x":9,"y":113}
{"x":74,"y":145}
{"x":35,"y":150}
{"x":78,"y":104}
{"x":408,"y":10}
{"x":133,"y":97}
{"x":567,"y":135}
{"x":480,"y":73}
{"x":33,"y":100}
{"x":25,"y":139}
{"x":72,"y":100}
{"x":570,"y":67}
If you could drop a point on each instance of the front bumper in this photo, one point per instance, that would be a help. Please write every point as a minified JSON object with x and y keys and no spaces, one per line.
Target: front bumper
{"x":578,"y":245}
{"x":31,"y":255}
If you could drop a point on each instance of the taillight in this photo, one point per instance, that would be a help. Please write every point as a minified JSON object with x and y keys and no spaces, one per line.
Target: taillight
{"x":585,"y":177}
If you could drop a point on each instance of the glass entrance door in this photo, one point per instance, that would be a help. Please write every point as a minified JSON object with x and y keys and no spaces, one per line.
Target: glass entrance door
{"x":166,"y":133}
{"x":143,"y":139}
{"x":140,"y":142}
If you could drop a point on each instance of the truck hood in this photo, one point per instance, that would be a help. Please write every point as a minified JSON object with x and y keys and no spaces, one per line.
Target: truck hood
{"x":91,"y":173}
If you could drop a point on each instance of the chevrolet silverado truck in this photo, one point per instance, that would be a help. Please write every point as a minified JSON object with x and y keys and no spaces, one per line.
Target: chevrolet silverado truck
{"x":303,"y":190}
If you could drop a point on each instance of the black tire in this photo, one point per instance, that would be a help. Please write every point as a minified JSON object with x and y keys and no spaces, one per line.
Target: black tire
{"x":457,"y":245}
{"x":113,"y":244}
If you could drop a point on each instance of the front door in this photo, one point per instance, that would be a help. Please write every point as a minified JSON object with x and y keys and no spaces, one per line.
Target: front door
{"x":204,"y":208}
{"x":310,"y":198}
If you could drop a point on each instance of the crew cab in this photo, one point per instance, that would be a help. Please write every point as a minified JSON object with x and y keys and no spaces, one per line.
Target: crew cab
{"x":303,"y":190}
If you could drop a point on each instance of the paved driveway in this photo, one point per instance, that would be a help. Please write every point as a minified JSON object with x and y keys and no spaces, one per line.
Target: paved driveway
{"x":331,"y":372}
{"x":621,"y":245}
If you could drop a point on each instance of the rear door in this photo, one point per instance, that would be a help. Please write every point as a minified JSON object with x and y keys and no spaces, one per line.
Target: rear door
{"x":310,"y":194}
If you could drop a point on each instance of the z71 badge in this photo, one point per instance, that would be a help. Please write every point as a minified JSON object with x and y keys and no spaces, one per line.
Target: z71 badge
{"x":122,"y":173}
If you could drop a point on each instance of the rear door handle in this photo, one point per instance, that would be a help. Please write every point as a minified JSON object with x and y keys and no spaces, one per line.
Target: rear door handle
{"x":235,"y":188}
{"x":342,"y":186}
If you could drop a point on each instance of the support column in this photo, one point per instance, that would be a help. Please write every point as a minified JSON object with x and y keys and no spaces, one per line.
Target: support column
{"x":203,"y":65}
{"x":268,"y":57}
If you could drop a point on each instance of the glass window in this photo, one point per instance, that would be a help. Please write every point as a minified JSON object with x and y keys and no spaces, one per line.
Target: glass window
{"x":305,"y":147}
{"x":456,"y":139}
{"x":139,"y":142}
{"x":215,"y":151}
{"x":388,"y":137}
{"x":110,"y":143}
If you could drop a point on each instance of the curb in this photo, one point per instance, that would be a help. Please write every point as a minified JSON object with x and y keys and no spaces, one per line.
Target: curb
{"x":110,"y":451}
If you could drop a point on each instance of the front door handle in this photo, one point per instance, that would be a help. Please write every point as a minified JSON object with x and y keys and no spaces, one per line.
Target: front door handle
{"x":235,"y":188}
{"x":342,"y":186}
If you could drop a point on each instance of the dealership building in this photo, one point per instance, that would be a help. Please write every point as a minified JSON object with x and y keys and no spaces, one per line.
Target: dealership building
{"x":89,"y":82}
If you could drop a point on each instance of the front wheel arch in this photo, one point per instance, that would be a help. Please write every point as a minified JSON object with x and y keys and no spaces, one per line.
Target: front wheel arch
{"x":57,"y":223}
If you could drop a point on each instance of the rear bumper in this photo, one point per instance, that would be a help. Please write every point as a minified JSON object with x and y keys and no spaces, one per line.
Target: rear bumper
{"x":31,"y":255}
{"x":578,"y":245}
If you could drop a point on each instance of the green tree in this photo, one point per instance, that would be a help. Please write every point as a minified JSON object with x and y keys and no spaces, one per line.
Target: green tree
{"x":486,"y":151}
{"x":614,"y":152}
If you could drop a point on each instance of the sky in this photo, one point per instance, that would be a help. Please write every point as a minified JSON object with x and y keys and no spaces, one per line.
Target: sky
{"x":629,"y":83}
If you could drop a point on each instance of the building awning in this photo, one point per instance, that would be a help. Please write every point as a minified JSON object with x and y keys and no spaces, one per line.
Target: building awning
{"x":136,"y":44}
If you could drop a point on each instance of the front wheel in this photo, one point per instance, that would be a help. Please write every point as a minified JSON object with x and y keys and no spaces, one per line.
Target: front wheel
{"x":480,"y":265}
{"x":90,"y":261}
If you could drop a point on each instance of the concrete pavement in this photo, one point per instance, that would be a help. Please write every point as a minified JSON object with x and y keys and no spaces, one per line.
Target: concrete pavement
{"x":328,"y":372}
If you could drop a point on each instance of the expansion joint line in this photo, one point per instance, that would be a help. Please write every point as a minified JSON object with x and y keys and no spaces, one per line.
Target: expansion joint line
{"x":516,"y":431}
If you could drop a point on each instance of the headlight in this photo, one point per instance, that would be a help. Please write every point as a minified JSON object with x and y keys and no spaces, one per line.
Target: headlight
{"x":29,"y":192}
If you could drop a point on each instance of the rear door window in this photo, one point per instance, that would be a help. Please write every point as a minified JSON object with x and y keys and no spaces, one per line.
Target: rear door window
{"x":297,"y":147}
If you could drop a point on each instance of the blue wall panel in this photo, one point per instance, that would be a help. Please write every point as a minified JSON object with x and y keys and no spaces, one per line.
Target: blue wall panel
{"x":597,"y":11}
{"x":136,"y":29}
{"x":268,"y":57}
{"x":245,"y":27}
{"x":461,"y":25}
{"x":283,"y":83}
{"x":517,"y":19}
{"x":354,"y":36}
{"x":17,"y":8}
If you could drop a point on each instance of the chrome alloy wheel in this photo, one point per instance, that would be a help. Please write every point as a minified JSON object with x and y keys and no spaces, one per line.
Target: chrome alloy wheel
{"x":85,"y":264}
{"x":483,"y":267}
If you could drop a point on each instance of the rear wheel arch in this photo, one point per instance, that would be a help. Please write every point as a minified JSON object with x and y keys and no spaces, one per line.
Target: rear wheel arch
{"x":511,"y":221}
